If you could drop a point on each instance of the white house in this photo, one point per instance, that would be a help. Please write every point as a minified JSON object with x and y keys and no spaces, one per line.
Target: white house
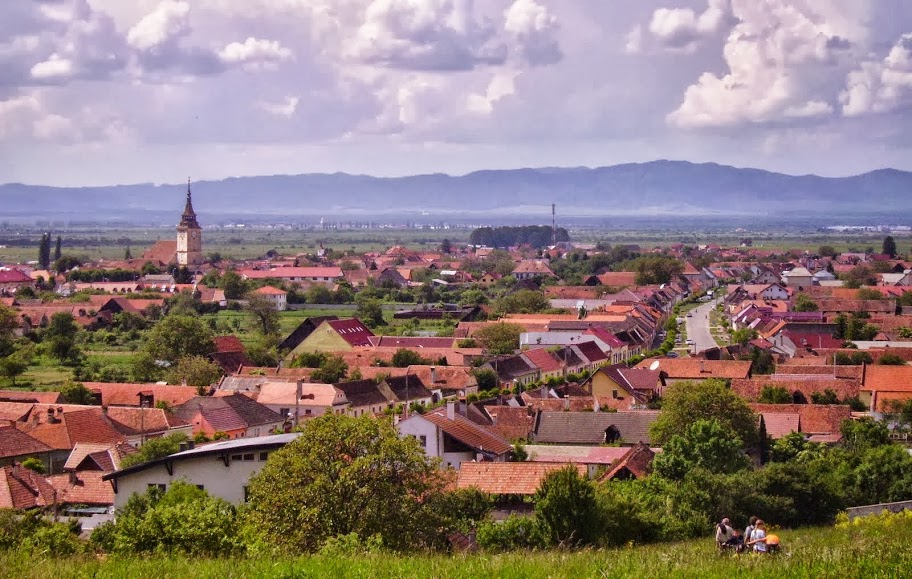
{"x":454,"y":439}
{"x":312,"y":400}
{"x":222,"y":469}
{"x":278,"y":297}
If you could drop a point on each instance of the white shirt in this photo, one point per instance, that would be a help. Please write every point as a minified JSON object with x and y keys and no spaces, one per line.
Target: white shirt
{"x":759,"y":546}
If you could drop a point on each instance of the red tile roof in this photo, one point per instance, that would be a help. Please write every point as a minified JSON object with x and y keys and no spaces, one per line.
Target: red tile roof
{"x":508,"y":478}
{"x":30,"y":396}
{"x":637,"y":462}
{"x":268,"y":290}
{"x":15,"y":443}
{"x":82,"y":488}
{"x":699,"y":369}
{"x":120,"y":394}
{"x":543,"y":360}
{"x":352,"y":331}
{"x":13,"y":276}
{"x":70,"y":426}
{"x":290,"y":272}
{"x":228,"y":344}
{"x":469,"y":433}
{"x":780,"y":424}
{"x":21,"y":488}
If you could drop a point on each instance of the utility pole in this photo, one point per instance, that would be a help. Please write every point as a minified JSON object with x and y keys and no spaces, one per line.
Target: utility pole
{"x":553,"y":225}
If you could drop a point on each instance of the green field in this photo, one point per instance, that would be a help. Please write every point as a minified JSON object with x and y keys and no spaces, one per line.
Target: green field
{"x":879,"y":550}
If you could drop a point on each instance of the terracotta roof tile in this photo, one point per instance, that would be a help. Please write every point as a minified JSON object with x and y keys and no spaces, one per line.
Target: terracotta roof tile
{"x":469,"y":433}
{"x":15,"y":443}
{"x":507,"y":478}
{"x":590,"y":427}
{"x":699,"y":369}
{"x":82,"y":488}
{"x":123,"y":394}
{"x":21,"y":488}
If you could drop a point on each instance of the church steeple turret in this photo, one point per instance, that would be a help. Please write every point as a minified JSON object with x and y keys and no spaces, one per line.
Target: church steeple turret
{"x":188,"y":218}
{"x":189,"y":235}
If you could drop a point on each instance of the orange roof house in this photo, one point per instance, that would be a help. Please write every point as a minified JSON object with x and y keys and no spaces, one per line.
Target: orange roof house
{"x":509,"y":478}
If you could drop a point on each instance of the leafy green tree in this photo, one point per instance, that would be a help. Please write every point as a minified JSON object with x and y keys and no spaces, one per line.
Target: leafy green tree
{"x":774,"y":395}
{"x":127,"y":253}
{"x":890,"y":359}
{"x":687,"y":402}
{"x":567,"y":508}
{"x":195,"y":371}
{"x":345,"y":475}
{"x":827,"y":251}
{"x":804,"y":303}
{"x":155,"y":448}
{"x":264,"y":314}
{"x":705,"y":444}
{"x":14,"y":364}
{"x":234,"y":285}
{"x":77,"y":393}
{"x":524,"y":301}
{"x":884,"y":475}
{"x":332,"y":369}
{"x":403,"y":358}
{"x":66,"y":263}
{"x":487,"y":380}
{"x":859,"y":275}
{"x":185,"y":520}
{"x":319,"y":294}
{"x":150,"y":268}
{"x":655,"y":269}
{"x":57,"y":249}
{"x":869,"y":293}
{"x":864,"y":434}
{"x":370,"y":311}
{"x":144,"y":368}
{"x":177,"y":336}
{"x":499,"y":338}
{"x":889,"y":246}
{"x":742,"y":336}
{"x":44,"y":251}
{"x":34,"y":464}
{"x":828,"y":396}
{"x":182,"y":275}
{"x":60,"y":337}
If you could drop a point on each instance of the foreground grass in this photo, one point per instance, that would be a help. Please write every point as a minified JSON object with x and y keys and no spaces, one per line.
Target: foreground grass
{"x":822,"y":552}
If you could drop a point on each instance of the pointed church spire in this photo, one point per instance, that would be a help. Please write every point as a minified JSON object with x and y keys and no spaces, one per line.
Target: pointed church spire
{"x":188,"y":218}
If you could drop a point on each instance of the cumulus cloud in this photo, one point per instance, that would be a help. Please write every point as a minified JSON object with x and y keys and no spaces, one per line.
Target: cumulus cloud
{"x":285,"y":108}
{"x":783,"y":59}
{"x":168,"y":22}
{"x":426,"y":35}
{"x":255,"y":53}
{"x":881,"y":86}
{"x":682,"y":29}
{"x":532,"y":31}
{"x":54,"y":67}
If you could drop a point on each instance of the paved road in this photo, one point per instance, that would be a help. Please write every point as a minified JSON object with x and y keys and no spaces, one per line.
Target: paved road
{"x":698,"y":327}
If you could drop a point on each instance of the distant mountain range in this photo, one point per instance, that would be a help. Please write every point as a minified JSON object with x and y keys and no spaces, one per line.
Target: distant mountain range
{"x":658,"y":188}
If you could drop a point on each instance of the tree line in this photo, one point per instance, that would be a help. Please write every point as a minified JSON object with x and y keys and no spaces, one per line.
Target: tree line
{"x":537,"y":236}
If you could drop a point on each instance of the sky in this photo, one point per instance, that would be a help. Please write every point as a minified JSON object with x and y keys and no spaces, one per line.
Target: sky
{"x":96,"y":92}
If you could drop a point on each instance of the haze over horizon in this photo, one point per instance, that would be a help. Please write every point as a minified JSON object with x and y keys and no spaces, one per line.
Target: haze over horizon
{"x":100,"y":92}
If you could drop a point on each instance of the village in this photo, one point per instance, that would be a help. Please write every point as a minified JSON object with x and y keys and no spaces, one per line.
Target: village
{"x":506,"y":364}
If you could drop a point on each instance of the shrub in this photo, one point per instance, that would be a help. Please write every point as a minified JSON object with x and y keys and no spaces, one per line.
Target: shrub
{"x":514,"y":532}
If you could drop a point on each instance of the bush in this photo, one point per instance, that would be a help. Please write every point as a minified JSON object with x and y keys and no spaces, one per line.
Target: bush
{"x":514,"y":532}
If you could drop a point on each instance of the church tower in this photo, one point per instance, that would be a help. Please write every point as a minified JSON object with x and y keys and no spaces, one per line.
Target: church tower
{"x":189,"y":236}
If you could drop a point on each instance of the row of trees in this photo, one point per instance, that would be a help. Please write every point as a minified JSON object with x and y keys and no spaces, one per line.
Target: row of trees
{"x":533,"y":235}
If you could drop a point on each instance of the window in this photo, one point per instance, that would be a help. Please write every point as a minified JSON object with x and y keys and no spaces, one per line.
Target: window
{"x":236,"y":457}
{"x":160,"y":487}
{"x":200,"y":487}
{"x":284,"y":412}
{"x":614,"y":394}
{"x":307,"y":412}
{"x":246,"y":494}
{"x":423,"y":440}
{"x":248,"y":456}
{"x":264,"y":455}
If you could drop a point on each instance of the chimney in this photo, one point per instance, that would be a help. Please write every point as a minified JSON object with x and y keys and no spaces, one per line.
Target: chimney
{"x":72,"y":477}
{"x":451,"y":410}
{"x":182,"y":447}
{"x":433,"y":375}
{"x":191,"y":444}
{"x":50,"y":416}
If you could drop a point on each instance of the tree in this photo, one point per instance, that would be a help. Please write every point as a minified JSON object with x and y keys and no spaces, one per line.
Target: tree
{"x":889,"y":246}
{"x":345,"y":475}
{"x":774,"y":395}
{"x":705,"y":444}
{"x":182,"y":275}
{"x":487,"y":380}
{"x":864,"y":434}
{"x":44,"y":251}
{"x":858,"y":276}
{"x":891,"y":359}
{"x":804,"y":303}
{"x":655,"y":269}
{"x":235,"y":287}
{"x":567,"y":507}
{"x":319,"y":294}
{"x":195,"y":371}
{"x":60,"y":337}
{"x":687,"y":402}
{"x":742,"y":336}
{"x":34,"y":464}
{"x":524,"y":301}
{"x":185,"y":519}
{"x":127,"y":253}
{"x":264,"y":314}
{"x":370,"y":312}
{"x":499,"y":338}
{"x":57,"y":248}
{"x":332,"y":369}
{"x":77,"y":393}
{"x":827,"y":251}
{"x":446,"y":247}
{"x":178,"y":336}
{"x":155,"y":448}
{"x":828,"y":396}
{"x":14,"y":364}
{"x":403,"y":358}
{"x":869,"y":293}
{"x":66,"y":263}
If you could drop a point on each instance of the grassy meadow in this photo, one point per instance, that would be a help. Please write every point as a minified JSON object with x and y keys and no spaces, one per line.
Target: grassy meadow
{"x":880,"y":549}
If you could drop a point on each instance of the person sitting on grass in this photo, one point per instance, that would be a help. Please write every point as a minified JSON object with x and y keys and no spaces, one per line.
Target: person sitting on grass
{"x":724,"y":533}
{"x":758,"y":538}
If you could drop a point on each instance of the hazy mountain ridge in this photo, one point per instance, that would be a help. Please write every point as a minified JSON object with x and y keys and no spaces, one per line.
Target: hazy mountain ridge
{"x":658,"y":186}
